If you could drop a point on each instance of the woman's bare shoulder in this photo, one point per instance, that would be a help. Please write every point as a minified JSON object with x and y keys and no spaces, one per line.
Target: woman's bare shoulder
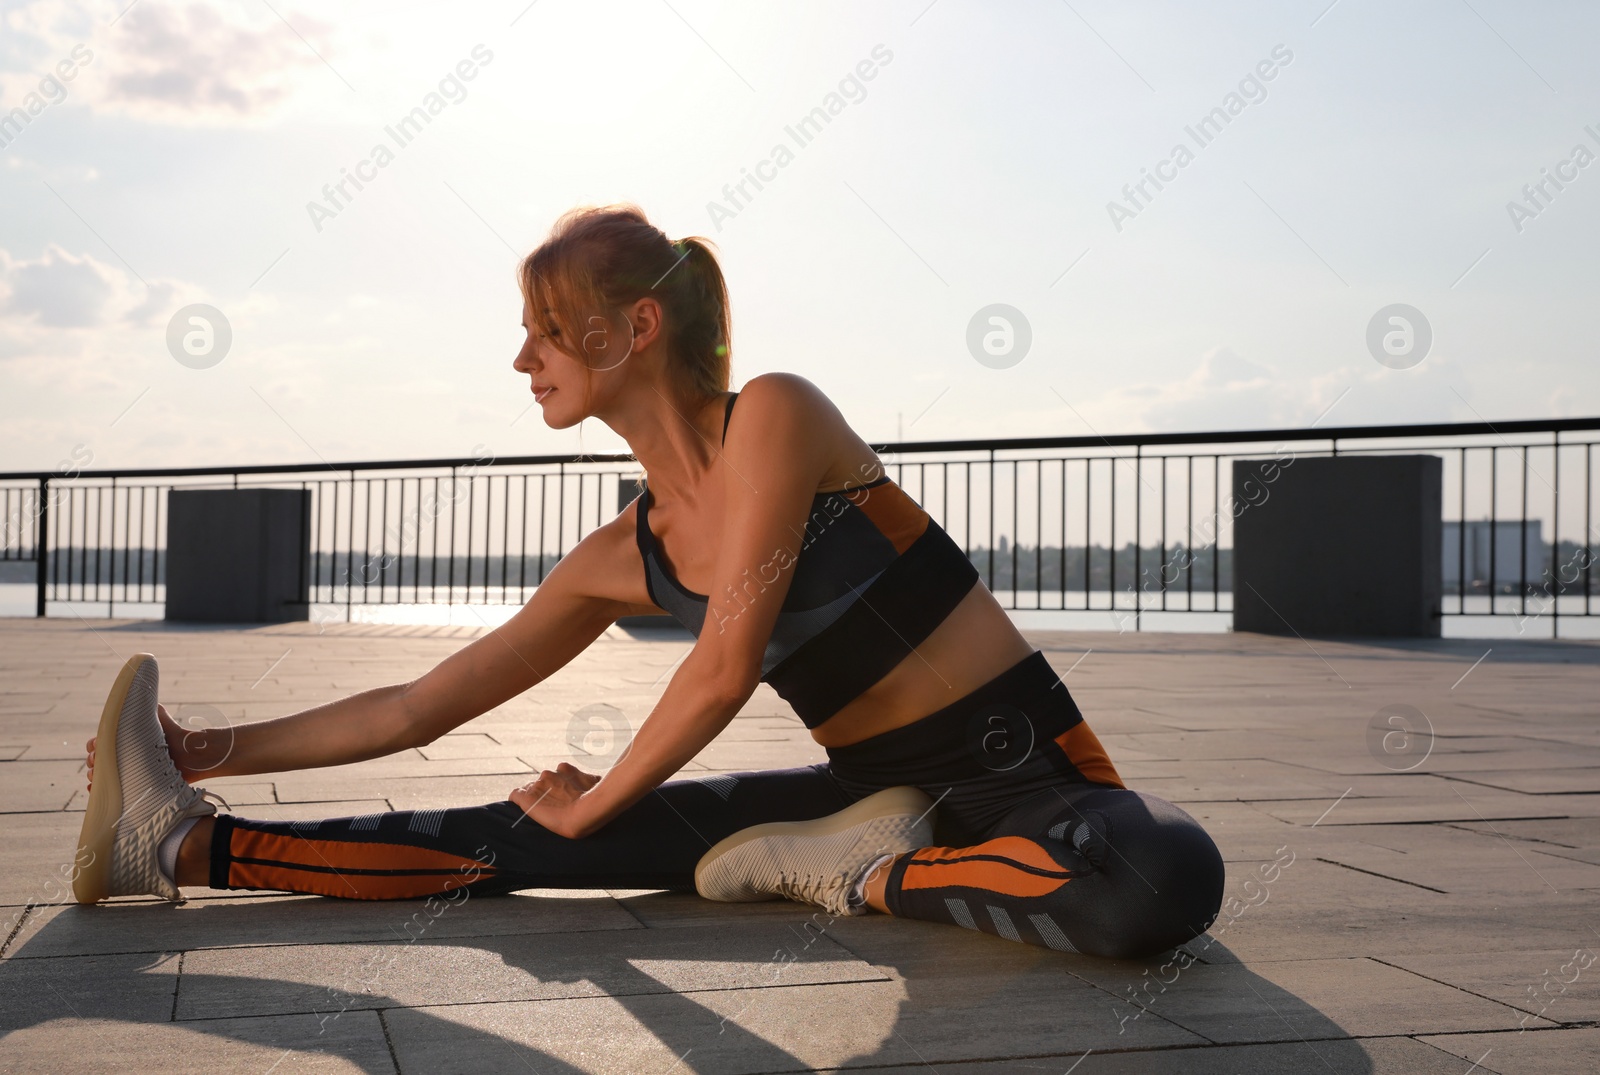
{"x":786,"y":414}
{"x":788,"y":391}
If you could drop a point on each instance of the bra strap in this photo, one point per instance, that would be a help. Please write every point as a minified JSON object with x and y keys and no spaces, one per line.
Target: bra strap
{"x":645,"y":539}
{"x":727,"y":415}
{"x":642,"y":534}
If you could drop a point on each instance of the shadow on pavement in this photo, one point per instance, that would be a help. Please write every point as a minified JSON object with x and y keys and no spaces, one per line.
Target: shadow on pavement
{"x":866,"y":992}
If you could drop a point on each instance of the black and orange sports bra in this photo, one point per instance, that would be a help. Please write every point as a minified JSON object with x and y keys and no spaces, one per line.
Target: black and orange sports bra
{"x":875,"y":575}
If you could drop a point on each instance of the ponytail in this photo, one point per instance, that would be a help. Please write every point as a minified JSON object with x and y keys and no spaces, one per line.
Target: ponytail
{"x":703,"y":334}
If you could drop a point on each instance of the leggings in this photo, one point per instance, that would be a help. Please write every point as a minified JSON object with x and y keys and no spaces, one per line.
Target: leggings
{"x":1028,"y":846}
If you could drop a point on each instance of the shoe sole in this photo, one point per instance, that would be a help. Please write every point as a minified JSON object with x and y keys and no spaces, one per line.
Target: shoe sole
{"x":91,"y":881}
{"x":886,"y":803}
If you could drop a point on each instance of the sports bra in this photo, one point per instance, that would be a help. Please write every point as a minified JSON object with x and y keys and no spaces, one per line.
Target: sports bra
{"x":875,"y":575}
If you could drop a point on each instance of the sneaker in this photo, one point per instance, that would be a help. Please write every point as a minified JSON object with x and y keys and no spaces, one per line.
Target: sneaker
{"x":138,"y":795}
{"x":818,"y":862}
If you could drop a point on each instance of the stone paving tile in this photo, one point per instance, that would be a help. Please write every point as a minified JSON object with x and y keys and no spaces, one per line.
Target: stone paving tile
{"x":1549,"y":781}
{"x":238,"y":791}
{"x":315,"y":811}
{"x":403,"y":769}
{"x":1348,"y":1057}
{"x":1432,"y":857}
{"x":49,"y":749}
{"x":354,"y":1044}
{"x":659,"y":910}
{"x":1301,"y":998}
{"x":38,"y":858}
{"x":1555,"y":984}
{"x":463,"y":745}
{"x":1545,"y":1052}
{"x":1502,"y":759}
{"x":414,"y":794}
{"x":1474,"y":804}
{"x":234,"y":922}
{"x":33,"y":786}
{"x":271,"y":981}
{"x":735,"y":757}
{"x":1577,"y":839}
{"x":138,"y":988}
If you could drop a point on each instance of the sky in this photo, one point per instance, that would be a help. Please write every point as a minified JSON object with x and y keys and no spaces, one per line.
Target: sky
{"x":974,"y":154}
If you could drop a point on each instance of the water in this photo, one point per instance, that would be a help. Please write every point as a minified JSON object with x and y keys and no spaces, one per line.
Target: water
{"x":17,"y":599}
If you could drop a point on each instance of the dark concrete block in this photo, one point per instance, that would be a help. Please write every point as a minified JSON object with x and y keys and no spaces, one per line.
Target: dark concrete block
{"x":238,"y":555}
{"x":1348,"y":545}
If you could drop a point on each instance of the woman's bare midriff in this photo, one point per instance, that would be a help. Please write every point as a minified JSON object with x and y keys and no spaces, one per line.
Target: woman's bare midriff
{"x":974,"y":644}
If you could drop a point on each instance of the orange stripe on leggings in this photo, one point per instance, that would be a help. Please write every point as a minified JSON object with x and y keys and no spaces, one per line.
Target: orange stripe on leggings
{"x":941,"y":867}
{"x":297,"y":864}
{"x":1083,"y":749}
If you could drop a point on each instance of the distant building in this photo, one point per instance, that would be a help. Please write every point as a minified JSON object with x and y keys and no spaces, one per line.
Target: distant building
{"x":1511,"y":564}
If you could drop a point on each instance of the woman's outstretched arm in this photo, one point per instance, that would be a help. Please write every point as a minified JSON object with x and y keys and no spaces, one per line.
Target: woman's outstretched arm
{"x":579,"y":599}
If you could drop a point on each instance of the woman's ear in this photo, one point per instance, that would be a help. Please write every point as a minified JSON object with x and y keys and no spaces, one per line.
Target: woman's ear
{"x":645,"y":318}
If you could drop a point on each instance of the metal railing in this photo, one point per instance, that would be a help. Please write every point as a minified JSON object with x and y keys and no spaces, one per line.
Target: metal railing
{"x":1129,"y":524}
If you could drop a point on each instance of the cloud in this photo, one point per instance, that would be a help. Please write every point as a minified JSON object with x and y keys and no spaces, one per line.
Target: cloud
{"x":61,"y":291}
{"x":1224,"y":390}
{"x":61,"y":307}
{"x":1228,"y":391}
{"x":192,"y":62}
{"x":167,"y":63}
{"x":158,"y":301}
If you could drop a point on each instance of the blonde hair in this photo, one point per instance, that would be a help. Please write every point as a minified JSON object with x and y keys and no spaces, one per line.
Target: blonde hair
{"x":599,"y":259}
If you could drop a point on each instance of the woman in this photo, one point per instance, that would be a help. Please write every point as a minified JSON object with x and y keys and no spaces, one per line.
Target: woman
{"x":962,"y":785}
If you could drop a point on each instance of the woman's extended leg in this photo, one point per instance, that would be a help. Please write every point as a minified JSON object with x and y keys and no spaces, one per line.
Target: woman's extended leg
{"x":497,"y":848}
{"x":1103,"y":871}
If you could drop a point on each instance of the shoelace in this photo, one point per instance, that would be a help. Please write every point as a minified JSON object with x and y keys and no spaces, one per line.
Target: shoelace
{"x":806,"y":887}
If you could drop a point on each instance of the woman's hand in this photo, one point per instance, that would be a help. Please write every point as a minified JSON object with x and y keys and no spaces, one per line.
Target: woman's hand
{"x":555,"y":799}
{"x":180,"y":740}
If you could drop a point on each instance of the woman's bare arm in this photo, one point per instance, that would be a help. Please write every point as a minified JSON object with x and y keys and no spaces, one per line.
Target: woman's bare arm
{"x":579,"y":599}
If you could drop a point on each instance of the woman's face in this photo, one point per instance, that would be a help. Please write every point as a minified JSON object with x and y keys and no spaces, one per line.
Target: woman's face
{"x":561,"y":384}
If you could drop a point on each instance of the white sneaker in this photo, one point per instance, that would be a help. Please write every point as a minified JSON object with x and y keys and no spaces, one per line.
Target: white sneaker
{"x":138,"y":795}
{"x":817,"y":862}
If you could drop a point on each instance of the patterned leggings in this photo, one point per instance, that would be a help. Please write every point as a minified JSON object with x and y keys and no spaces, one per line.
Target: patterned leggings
{"x":1040,"y":843}
{"x":1104,"y":871}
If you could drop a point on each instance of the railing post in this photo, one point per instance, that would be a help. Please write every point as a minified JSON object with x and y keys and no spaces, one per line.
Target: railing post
{"x":991,"y":522}
{"x":41,"y":544}
{"x":1555,"y":538}
{"x":1138,"y":537}
{"x":111,"y":575}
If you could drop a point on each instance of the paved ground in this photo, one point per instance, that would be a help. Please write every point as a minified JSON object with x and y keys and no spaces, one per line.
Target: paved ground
{"x":1423,"y":920}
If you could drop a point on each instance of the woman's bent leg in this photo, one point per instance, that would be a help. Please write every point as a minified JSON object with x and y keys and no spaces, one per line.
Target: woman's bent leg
{"x":497,"y":848}
{"x":1103,"y":871}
